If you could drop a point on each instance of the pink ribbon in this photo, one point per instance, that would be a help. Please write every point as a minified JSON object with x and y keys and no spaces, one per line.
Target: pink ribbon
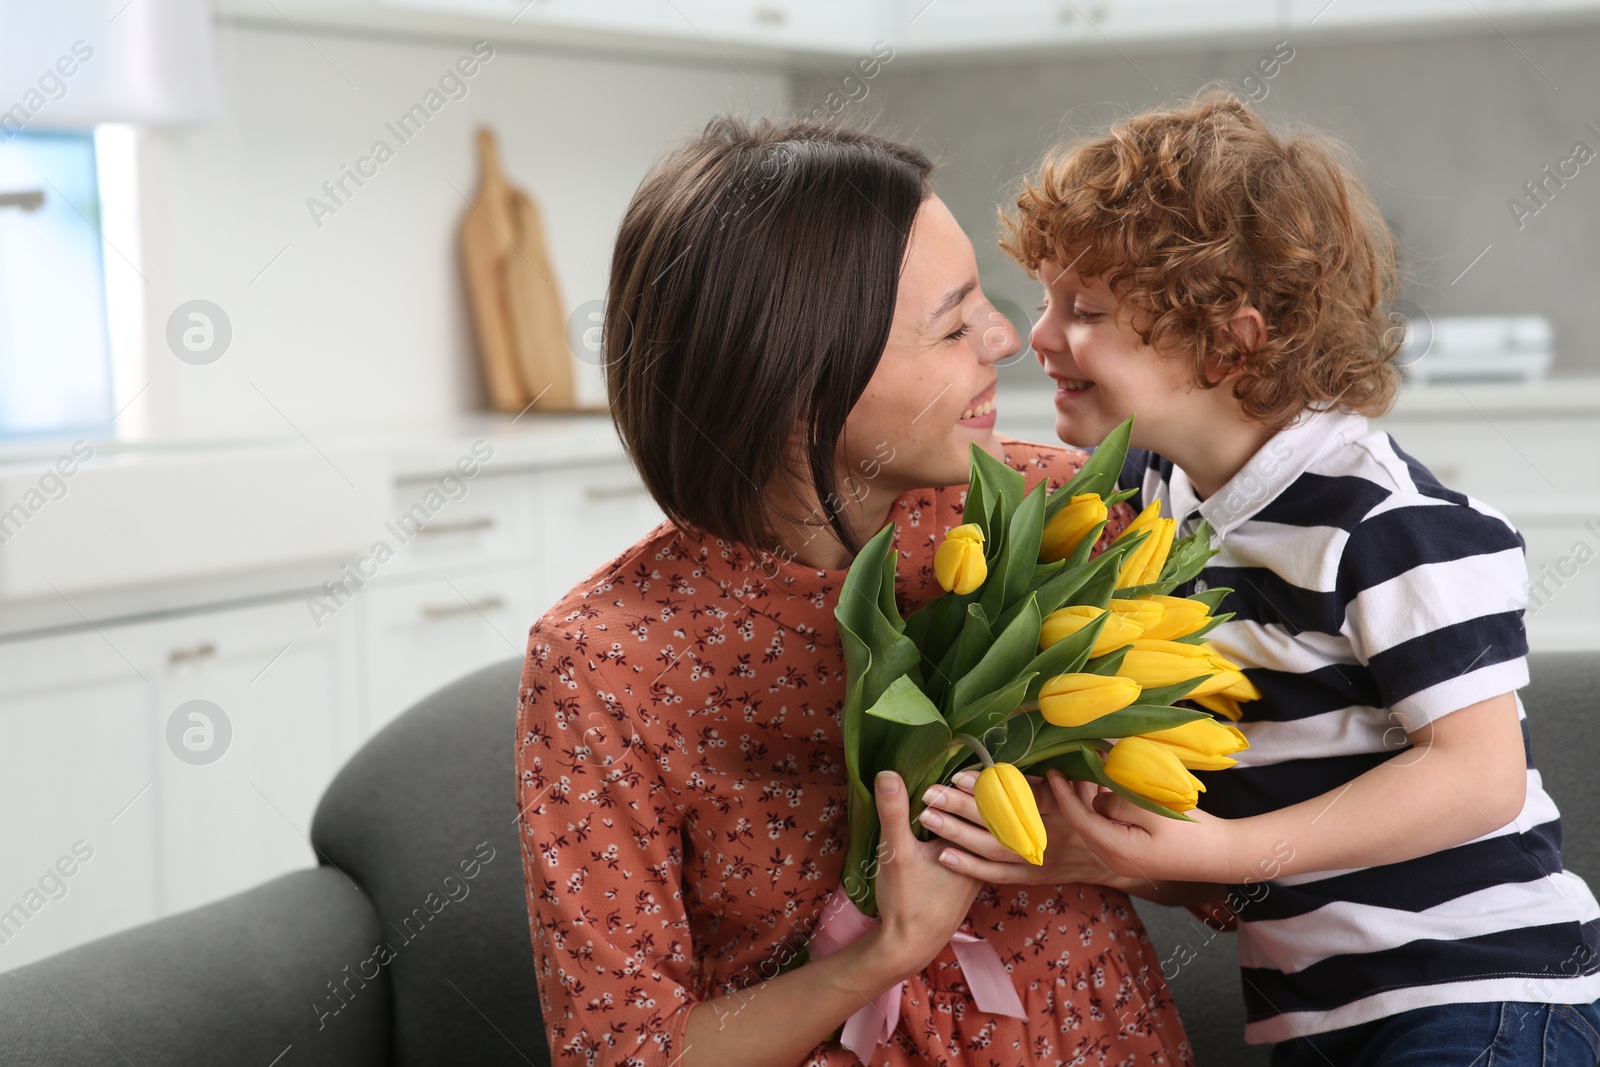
{"x":843,"y":923}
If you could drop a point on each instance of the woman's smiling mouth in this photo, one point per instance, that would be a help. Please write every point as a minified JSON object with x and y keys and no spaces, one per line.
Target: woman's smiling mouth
{"x":981,"y":414}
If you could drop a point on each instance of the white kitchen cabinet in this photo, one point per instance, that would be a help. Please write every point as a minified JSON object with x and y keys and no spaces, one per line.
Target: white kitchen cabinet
{"x":77,"y":769}
{"x":288,"y":692}
{"x":421,"y":635}
{"x":109,"y":716}
{"x":1378,"y":14}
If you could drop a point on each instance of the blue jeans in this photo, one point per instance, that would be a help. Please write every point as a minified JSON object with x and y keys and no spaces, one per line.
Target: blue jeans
{"x":1495,"y":1034}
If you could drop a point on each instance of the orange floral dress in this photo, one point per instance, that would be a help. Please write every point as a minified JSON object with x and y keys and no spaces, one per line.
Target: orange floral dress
{"x":681,"y":780}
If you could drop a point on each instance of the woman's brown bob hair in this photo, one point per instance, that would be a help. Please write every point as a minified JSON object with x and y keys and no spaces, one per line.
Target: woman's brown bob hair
{"x":752,"y":289}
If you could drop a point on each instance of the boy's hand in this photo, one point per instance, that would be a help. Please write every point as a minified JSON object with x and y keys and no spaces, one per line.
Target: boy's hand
{"x":975,"y":851}
{"x":1139,"y":844}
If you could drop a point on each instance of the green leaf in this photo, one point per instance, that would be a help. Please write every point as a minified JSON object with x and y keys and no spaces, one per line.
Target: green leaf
{"x":904,"y":702}
{"x":1129,"y":721}
{"x":1065,"y":585}
{"x":1043,"y":572}
{"x":1019,"y":735}
{"x":982,"y":714}
{"x":974,"y":640}
{"x":1212,"y":598}
{"x":1166,"y":694}
{"x":1005,"y":658}
{"x":1109,"y":663}
{"x":1120,"y":495}
{"x":1199,"y":636}
{"x":1001,"y":481}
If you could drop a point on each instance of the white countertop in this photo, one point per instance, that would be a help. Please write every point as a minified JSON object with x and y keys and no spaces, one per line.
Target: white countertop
{"x":418,"y":450}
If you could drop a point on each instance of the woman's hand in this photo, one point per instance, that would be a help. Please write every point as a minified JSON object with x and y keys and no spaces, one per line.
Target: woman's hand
{"x":921,"y":901}
{"x":952,"y":813}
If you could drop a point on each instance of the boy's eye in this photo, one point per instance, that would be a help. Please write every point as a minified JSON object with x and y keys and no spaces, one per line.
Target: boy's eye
{"x":966,"y":328}
{"x":1084,"y":316}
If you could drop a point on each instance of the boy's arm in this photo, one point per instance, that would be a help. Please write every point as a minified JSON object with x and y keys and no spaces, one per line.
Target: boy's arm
{"x":1465,"y":777}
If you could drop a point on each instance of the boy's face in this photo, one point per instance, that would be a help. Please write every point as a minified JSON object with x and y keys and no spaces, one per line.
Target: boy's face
{"x":1104,"y":372}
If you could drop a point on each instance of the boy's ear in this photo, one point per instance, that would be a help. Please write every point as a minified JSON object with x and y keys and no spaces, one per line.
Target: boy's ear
{"x":1248,"y":329}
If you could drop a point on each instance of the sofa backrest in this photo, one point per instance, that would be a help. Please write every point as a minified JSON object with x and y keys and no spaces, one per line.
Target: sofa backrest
{"x":423,"y":819}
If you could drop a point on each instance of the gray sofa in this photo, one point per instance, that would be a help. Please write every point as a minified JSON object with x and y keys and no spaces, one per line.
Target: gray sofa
{"x":284,"y":975}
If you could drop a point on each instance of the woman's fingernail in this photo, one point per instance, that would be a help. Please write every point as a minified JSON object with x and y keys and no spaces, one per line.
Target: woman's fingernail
{"x":966,"y":779}
{"x":947,"y":858}
{"x":932,"y":795}
{"x":886,"y":783}
{"x":931,"y":818}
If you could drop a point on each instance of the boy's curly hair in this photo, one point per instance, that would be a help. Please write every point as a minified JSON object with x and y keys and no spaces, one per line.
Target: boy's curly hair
{"x":1192,"y":210}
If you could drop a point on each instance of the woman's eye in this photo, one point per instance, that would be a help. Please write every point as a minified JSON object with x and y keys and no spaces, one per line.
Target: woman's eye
{"x":1041,"y":308}
{"x":966,"y":328}
{"x":1084,"y":316}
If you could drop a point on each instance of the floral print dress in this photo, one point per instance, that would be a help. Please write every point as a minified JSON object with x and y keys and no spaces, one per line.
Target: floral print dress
{"x":681,"y":783}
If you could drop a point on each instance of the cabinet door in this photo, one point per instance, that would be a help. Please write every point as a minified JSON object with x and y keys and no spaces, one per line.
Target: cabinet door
{"x":256,"y":709}
{"x":422,"y":635}
{"x":77,"y":766}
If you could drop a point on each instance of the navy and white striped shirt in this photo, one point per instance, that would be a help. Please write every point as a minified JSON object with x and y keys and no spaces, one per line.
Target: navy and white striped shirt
{"x":1369,"y":600}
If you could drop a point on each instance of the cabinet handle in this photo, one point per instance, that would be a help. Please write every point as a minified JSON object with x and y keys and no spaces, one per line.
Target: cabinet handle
{"x":488,"y":603}
{"x":203,"y":650}
{"x":437,"y":529}
{"x":611,"y":492}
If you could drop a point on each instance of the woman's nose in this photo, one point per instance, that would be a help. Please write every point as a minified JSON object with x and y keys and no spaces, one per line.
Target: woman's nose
{"x":998,"y":339}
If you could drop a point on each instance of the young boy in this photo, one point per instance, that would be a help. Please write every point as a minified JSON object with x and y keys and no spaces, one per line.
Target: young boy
{"x":1403,"y":898}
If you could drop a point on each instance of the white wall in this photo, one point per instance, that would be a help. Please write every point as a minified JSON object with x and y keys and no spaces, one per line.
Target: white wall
{"x":363,"y":321}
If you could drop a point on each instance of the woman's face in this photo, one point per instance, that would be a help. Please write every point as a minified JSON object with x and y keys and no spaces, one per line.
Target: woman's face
{"x":907,"y":429}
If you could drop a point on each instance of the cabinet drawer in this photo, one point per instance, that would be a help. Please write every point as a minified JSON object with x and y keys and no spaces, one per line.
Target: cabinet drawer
{"x":490,"y":519}
{"x":421,"y":635}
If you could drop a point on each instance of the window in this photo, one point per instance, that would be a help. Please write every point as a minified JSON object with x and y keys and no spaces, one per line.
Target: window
{"x":55,"y":367}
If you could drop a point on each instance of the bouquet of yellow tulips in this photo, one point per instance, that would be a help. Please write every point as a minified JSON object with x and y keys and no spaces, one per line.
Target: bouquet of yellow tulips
{"x":1036,"y":656}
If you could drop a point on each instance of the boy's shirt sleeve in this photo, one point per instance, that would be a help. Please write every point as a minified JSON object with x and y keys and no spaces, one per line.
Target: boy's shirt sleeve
{"x":1434,"y":594}
{"x":602,"y":863}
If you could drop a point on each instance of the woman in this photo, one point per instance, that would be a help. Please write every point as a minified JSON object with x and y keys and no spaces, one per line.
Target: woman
{"x":797,"y":348}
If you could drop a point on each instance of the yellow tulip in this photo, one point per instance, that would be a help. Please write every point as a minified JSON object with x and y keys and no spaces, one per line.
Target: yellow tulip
{"x":1143,"y":612}
{"x":1180,"y":617}
{"x":1154,"y":664}
{"x":1143,"y":565}
{"x":1238,"y":686}
{"x":1225,"y":706}
{"x":1154,"y":772}
{"x":1005,"y":800}
{"x":1064,"y":622}
{"x":1203,"y":744}
{"x":1068,"y":527}
{"x":1074,"y":699}
{"x":958,"y":563}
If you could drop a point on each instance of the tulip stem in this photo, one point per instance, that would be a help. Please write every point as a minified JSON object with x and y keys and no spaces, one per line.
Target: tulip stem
{"x":978,"y":747}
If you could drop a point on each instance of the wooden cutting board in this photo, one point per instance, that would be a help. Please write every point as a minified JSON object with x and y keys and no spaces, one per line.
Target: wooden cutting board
{"x":517,"y":311}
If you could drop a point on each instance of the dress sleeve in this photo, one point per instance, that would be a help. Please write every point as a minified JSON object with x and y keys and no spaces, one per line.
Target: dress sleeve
{"x":1433,"y":594}
{"x":602,"y":861}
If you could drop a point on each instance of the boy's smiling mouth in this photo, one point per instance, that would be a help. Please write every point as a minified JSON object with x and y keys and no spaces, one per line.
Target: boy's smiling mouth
{"x":1068,"y":388}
